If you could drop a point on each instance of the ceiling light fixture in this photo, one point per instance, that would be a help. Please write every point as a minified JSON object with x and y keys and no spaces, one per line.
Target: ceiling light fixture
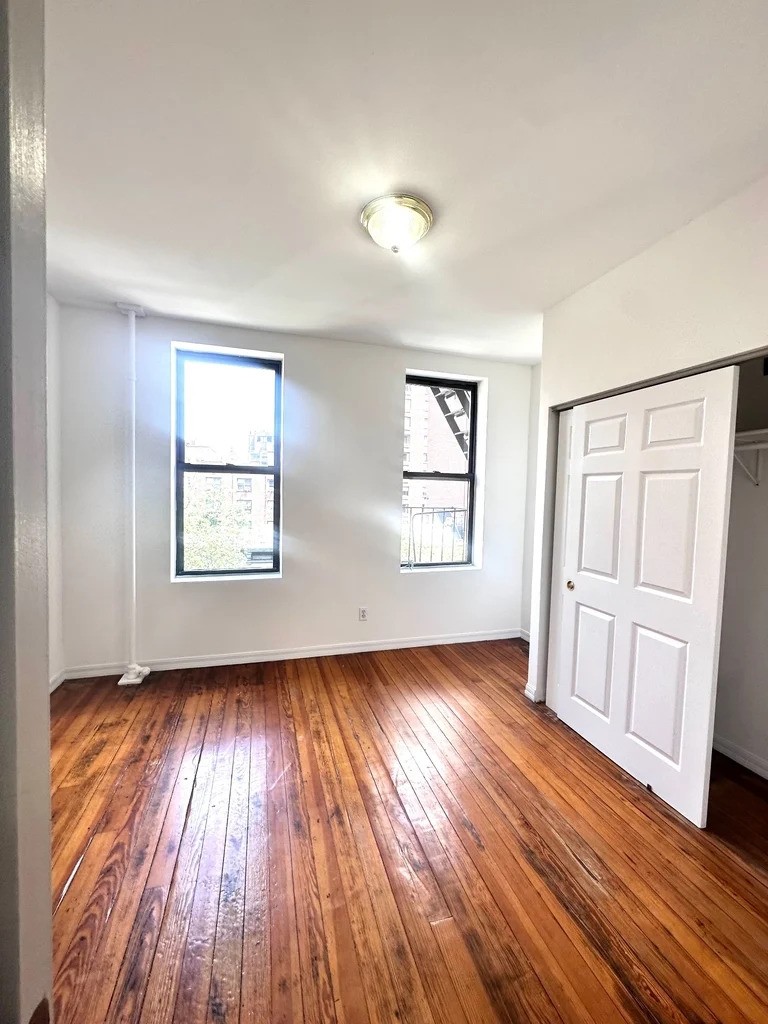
{"x":396,"y":222}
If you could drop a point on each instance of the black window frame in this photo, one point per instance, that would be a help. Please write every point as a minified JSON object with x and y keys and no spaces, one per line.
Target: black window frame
{"x":183,"y":356}
{"x":470,"y":476}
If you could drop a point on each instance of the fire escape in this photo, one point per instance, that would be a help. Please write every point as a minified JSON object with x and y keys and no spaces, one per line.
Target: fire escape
{"x":454,"y":406}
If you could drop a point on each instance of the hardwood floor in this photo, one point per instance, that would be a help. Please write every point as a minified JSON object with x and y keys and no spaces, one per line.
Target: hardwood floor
{"x":398,"y":836}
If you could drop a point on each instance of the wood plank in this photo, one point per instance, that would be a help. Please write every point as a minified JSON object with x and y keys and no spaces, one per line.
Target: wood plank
{"x":396,"y":836}
{"x":255,"y":989}
{"x":711,"y":941}
{"x":316,"y":987}
{"x":286,"y":993}
{"x":84,"y":805}
{"x":374,"y":968}
{"x":541,"y":919}
{"x":71,"y":714}
{"x":226,"y":968}
{"x":532,"y":865}
{"x":461,"y":970}
{"x":192,"y":1000}
{"x":132,"y":981}
{"x":89,"y":992}
{"x":714,"y":928}
{"x":78,"y":890}
{"x":638,"y":810}
{"x":416,"y":889}
{"x":346,"y":980}
{"x":163,"y":984}
{"x":408,"y":987}
{"x":512,"y":982}
{"x":89,"y":732}
{"x":76,"y":974}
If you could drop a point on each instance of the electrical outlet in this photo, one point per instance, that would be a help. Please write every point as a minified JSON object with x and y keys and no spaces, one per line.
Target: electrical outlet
{"x":362,"y":613}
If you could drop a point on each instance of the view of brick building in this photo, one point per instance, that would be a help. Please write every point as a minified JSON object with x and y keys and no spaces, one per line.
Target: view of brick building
{"x":435,"y":511}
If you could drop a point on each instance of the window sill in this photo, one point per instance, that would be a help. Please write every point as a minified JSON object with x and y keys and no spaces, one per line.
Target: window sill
{"x":406,"y":570}
{"x":240,"y":577}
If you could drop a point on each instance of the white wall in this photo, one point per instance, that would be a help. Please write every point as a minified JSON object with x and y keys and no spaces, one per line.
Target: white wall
{"x":93,"y":403}
{"x":56,"y":659}
{"x":341,"y":503}
{"x":696,"y":297}
{"x":530,"y":494}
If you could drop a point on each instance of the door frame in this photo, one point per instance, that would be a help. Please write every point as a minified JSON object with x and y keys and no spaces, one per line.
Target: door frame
{"x":556,"y":586}
{"x":541,"y":684}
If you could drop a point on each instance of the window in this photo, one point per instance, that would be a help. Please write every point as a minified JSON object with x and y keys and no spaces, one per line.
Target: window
{"x":227,"y":424}
{"x":443,"y":414}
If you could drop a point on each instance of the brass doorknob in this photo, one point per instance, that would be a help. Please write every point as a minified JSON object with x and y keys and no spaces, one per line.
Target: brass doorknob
{"x":571,"y":585}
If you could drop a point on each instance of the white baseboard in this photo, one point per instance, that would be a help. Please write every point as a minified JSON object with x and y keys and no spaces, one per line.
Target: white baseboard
{"x":56,"y":681}
{"x":115,"y":668}
{"x":253,"y":657}
{"x":755,"y":762}
{"x":525,"y":635}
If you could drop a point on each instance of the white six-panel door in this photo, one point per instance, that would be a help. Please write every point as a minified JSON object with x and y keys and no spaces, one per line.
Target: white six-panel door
{"x":644,"y":527}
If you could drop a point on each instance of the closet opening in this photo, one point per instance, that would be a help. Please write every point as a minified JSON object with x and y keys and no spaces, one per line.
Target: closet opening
{"x":739,"y":781}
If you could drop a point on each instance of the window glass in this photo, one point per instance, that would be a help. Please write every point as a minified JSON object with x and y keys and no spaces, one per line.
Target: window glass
{"x":438,"y":472}
{"x":227,"y":464}
{"x":229,"y":412}
{"x":437,"y":434}
{"x":223,"y":532}
{"x":435,"y":522}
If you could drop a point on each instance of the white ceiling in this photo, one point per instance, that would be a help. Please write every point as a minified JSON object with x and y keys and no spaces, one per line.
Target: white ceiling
{"x":209,"y":158}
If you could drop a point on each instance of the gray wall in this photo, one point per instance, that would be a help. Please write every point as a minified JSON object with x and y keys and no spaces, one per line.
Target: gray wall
{"x":57,"y":663}
{"x":752,"y":411}
{"x":741,"y":722}
{"x":530,"y":493}
{"x":25,"y":910}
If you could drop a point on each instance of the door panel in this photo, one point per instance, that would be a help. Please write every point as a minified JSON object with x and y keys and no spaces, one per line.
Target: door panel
{"x":600,"y":519}
{"x":674,"y":424}
{"x":606,"y":435}
{"x":669,"y":517}
{"x":657,"y":686}
{"x":594,"y":658}
{"x":639,"y":575}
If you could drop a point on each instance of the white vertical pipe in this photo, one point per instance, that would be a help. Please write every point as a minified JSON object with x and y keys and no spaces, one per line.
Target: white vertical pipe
{"x":134,"y":673}
{"x":132,"y":592}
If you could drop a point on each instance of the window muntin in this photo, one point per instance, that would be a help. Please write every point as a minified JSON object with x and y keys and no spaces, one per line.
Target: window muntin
{"x":227,"y":464}
{"x":438,"y":472}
